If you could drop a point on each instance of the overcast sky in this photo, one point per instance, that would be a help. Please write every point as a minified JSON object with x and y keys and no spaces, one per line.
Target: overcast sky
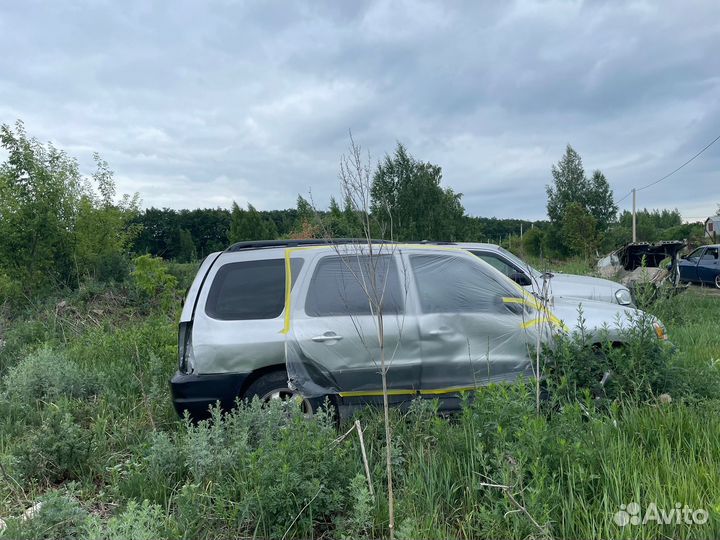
{"x":195,"y":104}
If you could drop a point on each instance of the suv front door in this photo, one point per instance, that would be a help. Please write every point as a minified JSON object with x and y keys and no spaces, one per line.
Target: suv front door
{"x":334,"y":345}
{"x":472,"y":326}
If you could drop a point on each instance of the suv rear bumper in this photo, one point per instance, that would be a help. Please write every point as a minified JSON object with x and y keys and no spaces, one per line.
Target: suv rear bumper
{"x":196,"y":393}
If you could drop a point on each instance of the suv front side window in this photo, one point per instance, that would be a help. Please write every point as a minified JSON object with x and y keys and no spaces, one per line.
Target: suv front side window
{"x":448,"y":284}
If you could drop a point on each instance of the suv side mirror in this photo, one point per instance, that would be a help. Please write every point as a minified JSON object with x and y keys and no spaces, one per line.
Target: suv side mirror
{"x":521,"y":279}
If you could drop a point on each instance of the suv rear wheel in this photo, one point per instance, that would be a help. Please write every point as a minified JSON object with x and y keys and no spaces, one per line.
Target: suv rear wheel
{"x":274,"y":386}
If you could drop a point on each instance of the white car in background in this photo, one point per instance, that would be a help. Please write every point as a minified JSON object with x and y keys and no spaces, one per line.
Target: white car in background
{"x":561,"y":285}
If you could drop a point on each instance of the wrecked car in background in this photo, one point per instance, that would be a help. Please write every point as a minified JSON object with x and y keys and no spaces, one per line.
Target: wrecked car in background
{"x":643,"y":262}
{"x":702,"y":266}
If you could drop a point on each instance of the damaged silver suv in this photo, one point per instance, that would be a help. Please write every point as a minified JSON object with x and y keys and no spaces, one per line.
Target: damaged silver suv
{"x":297,"y":319}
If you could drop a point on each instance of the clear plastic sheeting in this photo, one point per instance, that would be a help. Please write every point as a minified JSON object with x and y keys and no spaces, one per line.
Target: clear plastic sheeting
{"x":449,"y":323}
{"x":472,"y":326}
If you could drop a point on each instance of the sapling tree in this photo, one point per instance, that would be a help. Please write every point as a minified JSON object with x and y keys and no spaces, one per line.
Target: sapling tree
{"x":365,"y":261}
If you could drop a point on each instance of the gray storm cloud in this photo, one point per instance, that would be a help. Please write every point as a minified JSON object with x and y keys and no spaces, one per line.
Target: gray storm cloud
{"x":197,"y":104}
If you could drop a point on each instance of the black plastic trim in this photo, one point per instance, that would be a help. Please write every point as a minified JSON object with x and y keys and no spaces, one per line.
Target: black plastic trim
{"x":196,"y":393}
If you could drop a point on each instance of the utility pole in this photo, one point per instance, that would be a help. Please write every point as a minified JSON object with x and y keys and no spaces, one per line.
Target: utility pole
{"x":634,"y":220}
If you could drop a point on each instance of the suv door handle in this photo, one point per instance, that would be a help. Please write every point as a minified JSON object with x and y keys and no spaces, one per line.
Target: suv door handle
{"x":440,"y":332}
{"x":327,"y":336}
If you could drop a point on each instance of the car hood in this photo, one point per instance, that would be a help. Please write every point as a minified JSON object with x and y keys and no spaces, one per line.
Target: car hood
{"x":596,"y":313}
{"x":598,"y":319}
{"x":584,"y":287}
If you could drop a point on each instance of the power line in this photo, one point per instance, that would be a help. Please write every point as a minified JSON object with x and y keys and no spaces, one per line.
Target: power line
{"x":716,"y":139}
{"x":625,"y":197}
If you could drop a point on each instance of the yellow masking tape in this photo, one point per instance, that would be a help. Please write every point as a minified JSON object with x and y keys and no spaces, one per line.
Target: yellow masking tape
{"x":448,"y":390}
{"x":362,"y":393}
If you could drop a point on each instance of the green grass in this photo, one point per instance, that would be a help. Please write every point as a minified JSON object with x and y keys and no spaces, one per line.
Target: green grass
{"x":86,"y":423}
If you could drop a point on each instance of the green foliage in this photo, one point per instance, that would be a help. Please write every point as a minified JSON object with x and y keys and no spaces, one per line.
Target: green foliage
{"x":343,"y":222}
{"x":186,"y":249}
{"x":532,"y":242}
{"x":159,"y":231}
{"x":640,"y":368}
{"x":55,"y":227}
{"x":249,"y":225}
{"x":59,"y":449}
{"x":580,"y":207}
{"x":60,"y":517}
{"x":571,"y":186}
{"x":254,"y":468}
{"x":359,"y":521}
{"x":103,"y":233}
{"x":139,"y":521}
{"x":152,"y":278}
{"x":46,"y":376}
{"x":10,"y":290}
{"x":579,"y":230}
{"x":408,"y":199}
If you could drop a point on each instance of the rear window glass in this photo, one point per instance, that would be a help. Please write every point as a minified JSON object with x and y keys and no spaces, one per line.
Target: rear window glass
{"x":249,"y":290}
{"x":337,"y":286}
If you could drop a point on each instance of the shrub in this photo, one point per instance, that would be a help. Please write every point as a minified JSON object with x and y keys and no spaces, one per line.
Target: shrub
{"x":155,"y":472}
{"x":46,"y":375}
{"x":359,"y":521}
{"x":151,"y":275}
{"x":532,"y":242}
{"x":112,"y":267}
{"x":59,"y":449}
{"x":59,"y":518}
{"x":253,"y":470}
{"x":142,"y":521}
{"x":581,"y":365}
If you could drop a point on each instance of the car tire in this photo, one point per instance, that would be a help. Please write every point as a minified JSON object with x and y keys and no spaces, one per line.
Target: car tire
{"x":274,"y":385}
{"x":717,"y":281}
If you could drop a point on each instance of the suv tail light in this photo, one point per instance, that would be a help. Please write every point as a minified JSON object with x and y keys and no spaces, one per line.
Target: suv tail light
{"x":185,"y":350}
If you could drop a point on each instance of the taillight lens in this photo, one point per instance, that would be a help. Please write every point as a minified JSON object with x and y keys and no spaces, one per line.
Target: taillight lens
{"x":185,"y":352}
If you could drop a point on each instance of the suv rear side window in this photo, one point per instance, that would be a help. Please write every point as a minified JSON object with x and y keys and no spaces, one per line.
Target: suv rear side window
{"x":249,"y":290}
{"x":336,"y":288}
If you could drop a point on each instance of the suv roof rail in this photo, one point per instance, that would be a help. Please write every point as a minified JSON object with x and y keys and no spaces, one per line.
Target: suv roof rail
{"x":436,"y":242}
{"x":262,"y":244}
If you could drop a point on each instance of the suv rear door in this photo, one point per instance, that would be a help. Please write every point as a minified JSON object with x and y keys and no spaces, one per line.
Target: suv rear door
{"x":239,"y":314}
{"x":333,"y":342}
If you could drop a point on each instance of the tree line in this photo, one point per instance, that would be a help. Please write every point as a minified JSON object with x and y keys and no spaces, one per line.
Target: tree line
{"x":405,"y":190}
{"x":58,"y":226}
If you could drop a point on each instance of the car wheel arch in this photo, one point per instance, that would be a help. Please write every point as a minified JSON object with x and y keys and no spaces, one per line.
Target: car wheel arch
{"x":256,"y":374}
